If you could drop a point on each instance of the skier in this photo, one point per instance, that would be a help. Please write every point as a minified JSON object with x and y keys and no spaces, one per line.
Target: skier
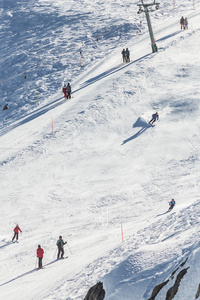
{"x":60,"y":243}
{"x":65,"y":90}
{"x":68,"y":91}
{"x":124,"y":55}
{"x":182,"y":22}
{"x":40,"y":253}
{"x":16,"y":232}
{"x":127,"y":55}
{"x":154,"y":118}
{"x":171,"y":204}
{"x":186,"y":23}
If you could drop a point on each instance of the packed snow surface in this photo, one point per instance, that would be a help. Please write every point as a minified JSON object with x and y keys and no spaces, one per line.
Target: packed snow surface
{"x":91,"y":168}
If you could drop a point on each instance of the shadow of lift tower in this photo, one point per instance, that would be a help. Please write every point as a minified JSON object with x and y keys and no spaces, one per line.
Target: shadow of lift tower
{"x":149,"y":8}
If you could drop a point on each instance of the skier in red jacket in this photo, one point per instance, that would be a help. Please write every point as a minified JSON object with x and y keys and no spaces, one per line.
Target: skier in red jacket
{"x":40,"y":253}
{"x":65,"y":90}
{"x":16,"y":232}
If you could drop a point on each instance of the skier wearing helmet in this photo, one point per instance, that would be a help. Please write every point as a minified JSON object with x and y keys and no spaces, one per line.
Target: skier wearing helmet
{"x":154,"y":118}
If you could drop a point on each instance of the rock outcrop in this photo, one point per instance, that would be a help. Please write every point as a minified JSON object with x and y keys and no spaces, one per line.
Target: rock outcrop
{"x":174,"y":289}
{"x":157,"y":289}
{"x":96,"y":292}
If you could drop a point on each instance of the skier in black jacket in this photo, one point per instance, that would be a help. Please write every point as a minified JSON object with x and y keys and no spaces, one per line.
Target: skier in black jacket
{"x":69,"y":90}
{"x":60,"y":243}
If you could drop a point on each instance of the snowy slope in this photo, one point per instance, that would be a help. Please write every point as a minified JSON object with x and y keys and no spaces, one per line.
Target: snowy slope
{"x":102,"y":166}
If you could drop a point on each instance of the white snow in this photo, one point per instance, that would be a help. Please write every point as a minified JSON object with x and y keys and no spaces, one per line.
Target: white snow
{"x":88,"y":167}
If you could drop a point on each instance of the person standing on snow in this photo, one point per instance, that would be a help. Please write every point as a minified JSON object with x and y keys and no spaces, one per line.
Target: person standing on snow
{"x":40,"y":253}
{"x":65,"y":90}
{"x":69,"y":91}
{"x":186,"y":23}
{"x":124,"y":55}
{"x":60,"y":243}
{"x":154,"y":118}
{"x":16,"y":232}
{"x":182,"y":22}
{"x":171,"y":204}
{"x":127,"y":55}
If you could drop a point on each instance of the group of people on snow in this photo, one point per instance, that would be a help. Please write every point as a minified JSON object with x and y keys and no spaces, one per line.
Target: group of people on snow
{"x":40,"y":252}
{"x":184,"y":23}
{"x":60,"y":243}
{"x":126,"y":55}
{"x":67,"y":91}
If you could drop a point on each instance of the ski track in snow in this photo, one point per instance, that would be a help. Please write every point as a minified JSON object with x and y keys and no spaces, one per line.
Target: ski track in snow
{"x":103,"y":165}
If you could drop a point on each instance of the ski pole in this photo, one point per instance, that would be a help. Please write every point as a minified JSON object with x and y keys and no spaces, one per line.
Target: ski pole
{"x":69,"y":249}
{"x":54,"y":254}
{"x":36,"y":263}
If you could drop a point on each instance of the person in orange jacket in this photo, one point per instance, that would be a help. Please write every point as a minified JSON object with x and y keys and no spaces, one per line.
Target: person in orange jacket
{"x":40,"y":253}
{"x":16,"y":232}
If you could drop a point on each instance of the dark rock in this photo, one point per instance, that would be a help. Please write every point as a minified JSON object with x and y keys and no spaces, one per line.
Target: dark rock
{"x":184,"y":262}
{"x":198,"y":292}
{"x":174,"y":289}
{"x":5,"y":107}
{"x":181,"y":265}
{"x":157,"y":289}
{"x":96,"y":292}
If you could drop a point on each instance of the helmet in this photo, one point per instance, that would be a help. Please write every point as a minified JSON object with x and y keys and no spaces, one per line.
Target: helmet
{"x":39,"y":246}
{"x":60,"y":237}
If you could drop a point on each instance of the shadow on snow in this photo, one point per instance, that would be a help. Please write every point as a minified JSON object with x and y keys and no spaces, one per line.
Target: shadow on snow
{"x":139,"y":123}
{"x":20,"y":276}
{"x":27,"y":273}
{"x":109,"y":72}
{"x":168,"y":36}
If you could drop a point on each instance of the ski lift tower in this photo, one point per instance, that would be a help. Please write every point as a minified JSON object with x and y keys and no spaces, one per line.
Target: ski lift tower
{"x":147,"y":7}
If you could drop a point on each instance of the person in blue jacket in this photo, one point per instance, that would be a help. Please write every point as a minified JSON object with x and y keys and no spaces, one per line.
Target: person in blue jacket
{"x":154,"y":118}
{"x":127,"y":55}
{"x":171,"y":204}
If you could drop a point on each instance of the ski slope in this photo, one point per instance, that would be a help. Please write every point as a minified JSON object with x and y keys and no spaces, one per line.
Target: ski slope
{"x":87,"y":167}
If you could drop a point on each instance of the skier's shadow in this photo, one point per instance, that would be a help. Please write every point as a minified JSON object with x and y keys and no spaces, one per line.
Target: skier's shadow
{"x":139,"y":123}
{"x":163,"y":213}
{"x":22,"y":275}
{"x":6,"y":244}
{"x":27,"y":273}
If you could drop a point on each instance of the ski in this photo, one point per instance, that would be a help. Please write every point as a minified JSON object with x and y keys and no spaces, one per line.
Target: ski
{"x":62,"y":258}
